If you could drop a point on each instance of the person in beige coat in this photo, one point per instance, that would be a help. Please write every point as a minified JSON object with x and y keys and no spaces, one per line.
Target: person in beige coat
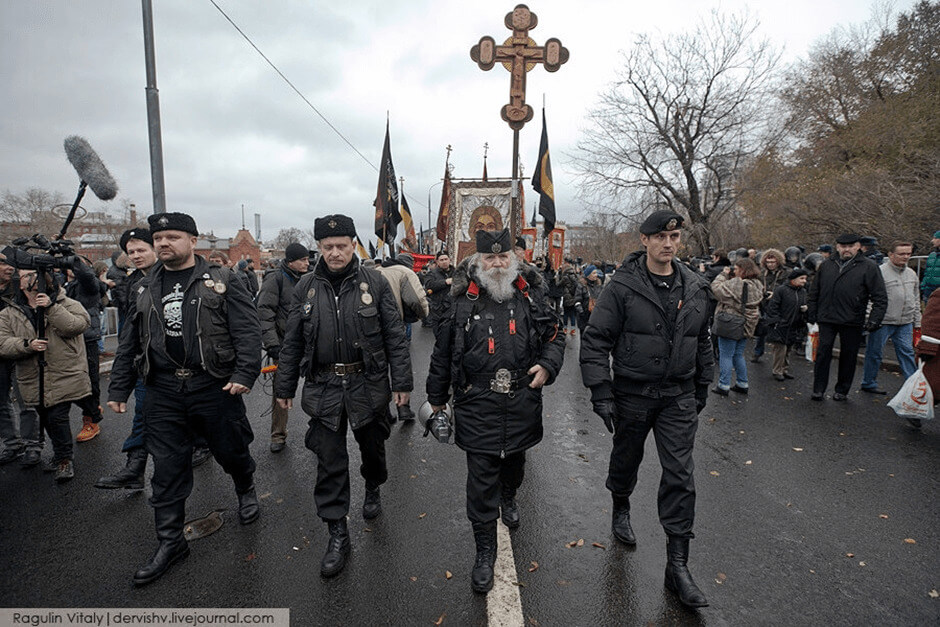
{"x":729,"y":291}
{"x":65,"y":373}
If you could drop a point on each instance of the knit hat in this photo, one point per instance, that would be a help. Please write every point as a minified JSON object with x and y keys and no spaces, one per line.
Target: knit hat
{"x":406,"y":259}
{"x":588,"y":270}
{"x":295,"y":251}
{"x":797,"y":273}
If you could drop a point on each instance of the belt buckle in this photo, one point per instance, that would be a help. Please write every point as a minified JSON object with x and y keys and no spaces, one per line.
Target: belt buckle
{"x":182,"y":373}
{"x":502,"y":384}
{"x":339,"y":370}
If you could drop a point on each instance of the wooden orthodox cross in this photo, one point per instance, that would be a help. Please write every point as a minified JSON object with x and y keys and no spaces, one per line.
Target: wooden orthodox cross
{"x":518,"y":54}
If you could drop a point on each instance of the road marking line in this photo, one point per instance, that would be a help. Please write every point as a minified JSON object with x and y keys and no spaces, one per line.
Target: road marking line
{"x":503,"y":603}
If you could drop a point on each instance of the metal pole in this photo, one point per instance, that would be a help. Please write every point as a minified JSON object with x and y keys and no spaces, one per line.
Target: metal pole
{"x":514,"y":207}
{"x":153,"y":113}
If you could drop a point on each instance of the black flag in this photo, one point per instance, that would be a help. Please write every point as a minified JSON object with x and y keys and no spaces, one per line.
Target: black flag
{"x":387,"y":216}
{"x":542,"y":181}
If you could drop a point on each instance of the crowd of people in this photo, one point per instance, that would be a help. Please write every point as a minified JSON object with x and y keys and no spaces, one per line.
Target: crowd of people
{"x":194,"y":332}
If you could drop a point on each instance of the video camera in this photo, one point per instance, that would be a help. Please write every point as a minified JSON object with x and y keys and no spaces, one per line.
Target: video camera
{"x":56,"y":253}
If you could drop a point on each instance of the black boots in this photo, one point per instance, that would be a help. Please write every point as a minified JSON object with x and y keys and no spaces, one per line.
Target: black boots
{"x":481,"y":579}
{"x":620,"y":523}
{"x":131,"y":477}
{"x":509,"y":511}
{"x":372,"y":505}
{"x":173,"y":546}
{"x":337,"y":548}
{"x":678,"y":577}
{"x":248,"y":507}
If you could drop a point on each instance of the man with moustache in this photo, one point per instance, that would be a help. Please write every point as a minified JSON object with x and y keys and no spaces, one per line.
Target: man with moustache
{"x":498,"y":346}
{"x":345,"y":335}
{"x":194,"y":331}
{"x":137,"y":244}
{"x":653,"y":319}
{"x":838,"y":301}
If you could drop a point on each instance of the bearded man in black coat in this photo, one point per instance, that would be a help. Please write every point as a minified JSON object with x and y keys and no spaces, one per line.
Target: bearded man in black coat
{"x":498,"y":347}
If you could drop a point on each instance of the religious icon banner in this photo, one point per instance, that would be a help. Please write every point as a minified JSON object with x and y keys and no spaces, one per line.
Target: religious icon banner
{"x":477,"y":205}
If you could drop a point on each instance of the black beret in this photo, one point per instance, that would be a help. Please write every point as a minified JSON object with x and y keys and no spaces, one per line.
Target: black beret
{"x":662,"y":220}
{"x":172,"y":222}
{"x":847,"y":238}
{"x":295,"y":251}
{"x":494,"y":241}
{"x":520,"y":242}
{"x":141,"y":233}
{"x":868,"y":240}
{"x":825,"y":248}
{"x":797,"y":273}
{"x":336,"y":225}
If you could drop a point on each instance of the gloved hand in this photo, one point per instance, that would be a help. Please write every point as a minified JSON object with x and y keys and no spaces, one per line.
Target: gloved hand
{"x":578,"y":307}
{"x":273,"y":352}
{"x":701,"y":397}
{"x":605,"y":409}
{"x":871,"y":327}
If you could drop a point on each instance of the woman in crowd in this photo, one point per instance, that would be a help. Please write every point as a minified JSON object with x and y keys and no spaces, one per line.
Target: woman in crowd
{"x":740,"y":294}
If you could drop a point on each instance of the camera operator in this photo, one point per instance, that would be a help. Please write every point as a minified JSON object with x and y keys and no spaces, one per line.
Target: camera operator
{"x":86,"y":288}
{"x":52,"y":361}
{"x":28,"y":441}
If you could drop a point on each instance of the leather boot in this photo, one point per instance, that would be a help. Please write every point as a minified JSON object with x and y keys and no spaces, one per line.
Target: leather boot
{"x":678,"y":577}
{"x":131,"y":477}
{"x":620,"y":523}
{"x":509,"y":510}
{"x":372,"y":505}
{"x":248,"y":507}
{"x":481,"y":579}
{"x":337,"y":548}
{"x":173,"y":546}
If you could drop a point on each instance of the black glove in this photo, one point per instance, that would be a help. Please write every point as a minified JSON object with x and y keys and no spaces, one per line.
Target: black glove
{"x":701,"y":397}
{"x":872,"y":327}
{"x":273,"y":352}
{"x":578,"y":307}
{"x":605,"y":409}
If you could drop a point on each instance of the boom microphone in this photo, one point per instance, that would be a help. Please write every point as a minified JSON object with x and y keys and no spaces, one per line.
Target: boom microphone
{"x":90,"y":168}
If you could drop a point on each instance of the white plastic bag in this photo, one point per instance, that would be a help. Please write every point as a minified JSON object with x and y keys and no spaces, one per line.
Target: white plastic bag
{"x":812,"y":341}
{"x":915,"y":399}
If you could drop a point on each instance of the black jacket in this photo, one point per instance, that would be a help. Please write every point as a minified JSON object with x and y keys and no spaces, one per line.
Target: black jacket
{"x":363,"y":325}
{"x":524,"y":332}
{"x":221,"y":332}
{"x":629,"y":322}
{"x":88,"y":290}
{"x":786,"y":324}
{"x":438,"y":289}
{"x":839,"y":294}
{"x":274,"y":299}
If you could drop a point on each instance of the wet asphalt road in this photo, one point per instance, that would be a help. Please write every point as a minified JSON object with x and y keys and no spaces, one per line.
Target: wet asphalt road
{"x":806,"y":512}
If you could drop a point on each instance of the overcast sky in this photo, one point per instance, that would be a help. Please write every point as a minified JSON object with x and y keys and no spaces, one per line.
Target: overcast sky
{"x":235,"y":134}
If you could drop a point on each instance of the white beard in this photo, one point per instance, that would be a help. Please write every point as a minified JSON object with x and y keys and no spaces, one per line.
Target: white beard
{"x":499,"y":282}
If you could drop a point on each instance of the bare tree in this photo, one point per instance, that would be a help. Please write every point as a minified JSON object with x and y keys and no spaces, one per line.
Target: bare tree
{"x":681,"y":119}
{"x":288,"y":236}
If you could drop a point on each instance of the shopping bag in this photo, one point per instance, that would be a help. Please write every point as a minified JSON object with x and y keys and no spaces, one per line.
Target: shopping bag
{"x":812,"y":341}
{"x":915,"y":399}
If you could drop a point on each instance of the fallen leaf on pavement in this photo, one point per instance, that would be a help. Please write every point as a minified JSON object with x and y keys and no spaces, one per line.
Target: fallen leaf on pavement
{"x":748,"y":463}
{"x":534,"y":567}
{"x":367,"y":529}
{"x":714,"y":473}
{"x":598,"y":545}
{"x":861,"y":563}
{"x":797,"y":449}
{"x":249,"y":557}
{"x":580,"y":541}
{"x":850,"y":554}
{"x":440,"y":621}
{"x":571,"y":544}
{"x":413,"y":578}
{"x":741,"y":432}
{"x":720,"y":578}
{"x":910,"y":540}
{"x":885,"y":516}
{"x":265,"y":495}
{"x":812,"y":571}
{"x":933,"y":594}
{"x":448,"y":574}
{"x":422,"y":515}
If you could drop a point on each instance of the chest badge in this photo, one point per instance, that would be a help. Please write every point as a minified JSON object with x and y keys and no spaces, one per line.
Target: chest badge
{"x":219,"y":288}
{"x":311,"y":292}
{"x":367,"y":298}
{"x":209,"y":282}
{"x":307,"y":309}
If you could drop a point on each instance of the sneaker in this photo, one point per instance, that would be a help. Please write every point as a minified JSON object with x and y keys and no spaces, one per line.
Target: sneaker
{"x":89,"y":430}
{"x":10,"y":454}
{"x":65,"y":470}
{"x":737,"y":388}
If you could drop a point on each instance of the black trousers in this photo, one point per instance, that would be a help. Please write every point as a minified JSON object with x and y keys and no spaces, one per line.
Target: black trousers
{"x":487,"y":476}
{"x":674,"y":422}
{"x":172,"y":420}
{"x":91,"y":404}
{"x":55,"y":421}
{"x":331,"y":494}
{"x":850,"y":339}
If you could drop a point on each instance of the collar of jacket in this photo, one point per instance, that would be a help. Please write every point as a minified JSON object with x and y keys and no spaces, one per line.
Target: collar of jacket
{"x":632,"y":273}
{"x":287,"y":270}
{"x":157,"y":271}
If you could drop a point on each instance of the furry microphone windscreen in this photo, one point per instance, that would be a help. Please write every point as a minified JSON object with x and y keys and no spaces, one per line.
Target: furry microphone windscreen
{"x":90,"y":168}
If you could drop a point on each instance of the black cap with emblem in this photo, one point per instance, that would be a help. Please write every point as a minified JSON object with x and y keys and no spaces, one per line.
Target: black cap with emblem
{"x":336,"y":225}
{"x":494,"y":241}
{"x":172,"y":222}
{"x":140,"y":232}
{"x":662,"y":220}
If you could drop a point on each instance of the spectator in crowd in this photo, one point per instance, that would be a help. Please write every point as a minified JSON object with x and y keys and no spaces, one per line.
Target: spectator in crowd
{"x":593,"y":285}
{"x":518,"y":249}
{"x":825,"y":250}
{"x":51,"y":362}
{"x":438,"y":285}
{"x":900,"y":319}
{"x":785,"y":316}
{"x":773,"y":273}
{"x":117,"y":274}
{"x":550,"y":279}
{"x":87,"y":289}
{"x":931,"y":280}
{"x":741,"y":294}
{"x":870,"y":249}
{"x":247,"y":277}
{"x":27,"y":441}
{"x":838,"y":301}
{"x":274,"y":299}
{"x":928,"y":349}
{"x":793,"y":257}
{"x":220,"y":258}
{"x":573,"y":297}
{"x":720,"y":261}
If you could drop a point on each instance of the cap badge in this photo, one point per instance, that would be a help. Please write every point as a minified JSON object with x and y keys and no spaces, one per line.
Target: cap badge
{"x":163,"y":221}
{"x":331,"y":224}
{"x":496,"y":248}
{"x":671,"y":225}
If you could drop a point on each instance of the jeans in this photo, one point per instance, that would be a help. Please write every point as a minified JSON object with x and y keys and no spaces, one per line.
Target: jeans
{"x":731,"y":354}
{"x":136,"y":438}
{"x":570,"y":316}
{"x":29,"y":434}
{"x":902,"y":336}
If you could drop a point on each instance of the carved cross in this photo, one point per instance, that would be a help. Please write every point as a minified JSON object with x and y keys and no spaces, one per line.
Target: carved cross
{"x":519,"y":54}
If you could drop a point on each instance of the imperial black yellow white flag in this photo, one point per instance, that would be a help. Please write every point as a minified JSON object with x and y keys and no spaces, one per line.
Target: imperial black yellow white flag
{"x":542,"y":181}
{"x":387,"y":217}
